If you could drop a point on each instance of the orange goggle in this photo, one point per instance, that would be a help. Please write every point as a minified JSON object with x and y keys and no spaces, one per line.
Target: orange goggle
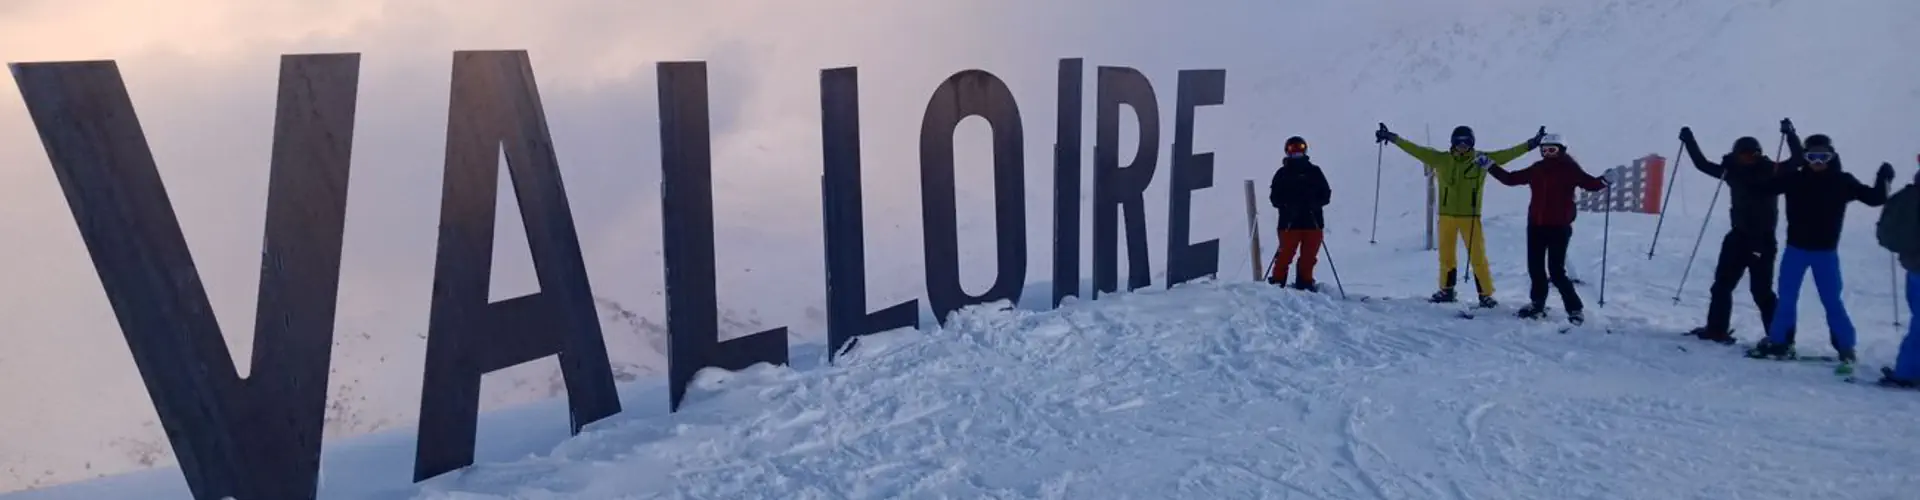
{"x":1296,"y":148}
{"x":1551,"y":149}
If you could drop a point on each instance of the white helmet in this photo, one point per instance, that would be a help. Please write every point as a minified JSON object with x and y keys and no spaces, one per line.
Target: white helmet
{"x":1553,"y":139}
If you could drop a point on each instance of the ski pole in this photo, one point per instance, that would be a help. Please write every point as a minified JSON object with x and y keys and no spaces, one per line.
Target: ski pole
{"x":1379,"y":156}
{"x":1696,"y":240}
{"x":1328,"y":251}
{"x":1893,"y":287}
{"x":1606,"y":232}
{"x":1672,"y":179}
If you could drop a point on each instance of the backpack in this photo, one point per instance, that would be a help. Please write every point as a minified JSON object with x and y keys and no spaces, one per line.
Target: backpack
{"x":1899,"y":226}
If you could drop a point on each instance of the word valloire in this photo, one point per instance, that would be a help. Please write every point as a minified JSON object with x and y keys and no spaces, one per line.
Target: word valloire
{"x":259,"y":437}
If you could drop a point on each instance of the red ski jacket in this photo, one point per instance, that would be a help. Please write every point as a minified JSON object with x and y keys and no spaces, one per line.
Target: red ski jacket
{"x":1552,"y":181}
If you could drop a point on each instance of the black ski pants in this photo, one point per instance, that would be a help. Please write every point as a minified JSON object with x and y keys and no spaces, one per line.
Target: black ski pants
{"x":1547,"y":264}
{"x":1751,"y":256}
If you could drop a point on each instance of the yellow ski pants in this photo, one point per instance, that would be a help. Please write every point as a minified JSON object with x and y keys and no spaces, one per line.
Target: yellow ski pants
{"x":1452,"y":228}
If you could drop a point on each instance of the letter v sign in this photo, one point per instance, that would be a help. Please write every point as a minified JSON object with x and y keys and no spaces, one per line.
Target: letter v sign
{"x":252,"y":438}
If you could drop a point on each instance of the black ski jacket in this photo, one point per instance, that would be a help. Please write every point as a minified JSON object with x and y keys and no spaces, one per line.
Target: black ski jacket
{"x":1299,"y":191}
{"x":1755,"y":212}
{"x":1817,"y":201}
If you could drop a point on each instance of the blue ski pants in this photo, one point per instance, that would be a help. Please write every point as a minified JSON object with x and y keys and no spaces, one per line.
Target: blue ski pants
{"x":1907,"y":367}
{"x":1794,"y":263}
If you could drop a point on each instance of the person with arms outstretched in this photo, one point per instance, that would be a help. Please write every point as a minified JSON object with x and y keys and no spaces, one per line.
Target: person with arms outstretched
{"x":1550,"y":217}
{"x":1299,"y":192}
{"x":1750,"y":246}
{"x":1459,"y":174}
{"x":1817,"y":192}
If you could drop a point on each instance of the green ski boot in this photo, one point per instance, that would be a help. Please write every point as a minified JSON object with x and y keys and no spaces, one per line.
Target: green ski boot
{"x":1845,"y":368}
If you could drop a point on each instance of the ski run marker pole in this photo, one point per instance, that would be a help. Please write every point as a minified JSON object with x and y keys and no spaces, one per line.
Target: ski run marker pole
{"x":1253,"y":232}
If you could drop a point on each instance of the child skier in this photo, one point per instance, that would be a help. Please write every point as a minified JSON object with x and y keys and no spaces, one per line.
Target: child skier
{"x":1550,"y":222}
{"x":1299,"y":191}
{"x":1817,"y":192}
{"x":1899,"y":231}
{"x":1459,"y":173}
{"x":1749,"y":246}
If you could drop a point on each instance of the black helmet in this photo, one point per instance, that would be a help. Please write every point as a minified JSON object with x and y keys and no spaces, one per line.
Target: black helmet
{"x":1463,"y":136}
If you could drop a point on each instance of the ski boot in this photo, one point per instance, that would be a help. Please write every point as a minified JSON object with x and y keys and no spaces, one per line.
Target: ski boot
{"x":1767,"y":349}
{"x":1531,"y":311}
{"x":1487,"y":302}
{"x":1276,"y":281}
{"x":1888,"y":380}
{"x":1306,"y":285}
{"x":1576,"y":317}
{"x":1442,"y":296}
{"x":1702,"y":333}
{"x":1847,"y":360}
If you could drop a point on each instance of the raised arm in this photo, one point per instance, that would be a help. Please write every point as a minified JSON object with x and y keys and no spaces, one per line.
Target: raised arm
{"x":1700,"y":160}
{"x":1508,"y":155}
{"x":1425,"y":154}
{"x":1793,"y":138}
{"x":1514,"y":178}
{"x":1875,"y":195}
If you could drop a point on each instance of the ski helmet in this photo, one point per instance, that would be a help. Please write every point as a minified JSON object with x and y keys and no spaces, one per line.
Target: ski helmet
{"x":1746,"y":145}
{"x":1819,"y":149}
{"x":1296,"y":146}
{"x":1554,"y":141}
{"x":1463,"y":136}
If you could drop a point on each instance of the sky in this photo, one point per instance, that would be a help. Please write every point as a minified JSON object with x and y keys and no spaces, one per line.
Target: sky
{"x":1616,"y":76}
{"x":201,"y":74}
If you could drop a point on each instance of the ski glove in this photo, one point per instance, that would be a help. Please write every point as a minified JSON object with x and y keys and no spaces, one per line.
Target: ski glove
{"x":1481,"y":160}
{"x":1686,"y":135}
{"x":1534,"y":143}
{"x":1886,"y":172}
{"x":1786,"y":126}
{"x":1383,"y":135}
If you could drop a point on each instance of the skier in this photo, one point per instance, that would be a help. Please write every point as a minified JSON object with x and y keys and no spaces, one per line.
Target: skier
{"x":1749,"y":246}
{"x":1899,"y":231}
{"x":1817,"y":192}
{"x":1459,"y":174}
{"x":1299,"y":191}
{"x":1550,"y":217}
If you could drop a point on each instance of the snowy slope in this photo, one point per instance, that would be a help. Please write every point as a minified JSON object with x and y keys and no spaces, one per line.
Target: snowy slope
{"x":1214,"y":390}
{"x":1618,"y":77}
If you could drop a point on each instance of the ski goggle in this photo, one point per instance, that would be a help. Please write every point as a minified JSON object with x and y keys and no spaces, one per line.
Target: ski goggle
{"x":1463,"y":140}
{"x":1297,"y":148}
{"x":1551,"y":149}
{"x":1819,"y":156}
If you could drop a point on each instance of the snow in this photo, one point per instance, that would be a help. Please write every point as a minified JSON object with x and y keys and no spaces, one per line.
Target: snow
{"x":1210,"y":390}
{"x":1217,"y":389}
{"x":1242,"y":391}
